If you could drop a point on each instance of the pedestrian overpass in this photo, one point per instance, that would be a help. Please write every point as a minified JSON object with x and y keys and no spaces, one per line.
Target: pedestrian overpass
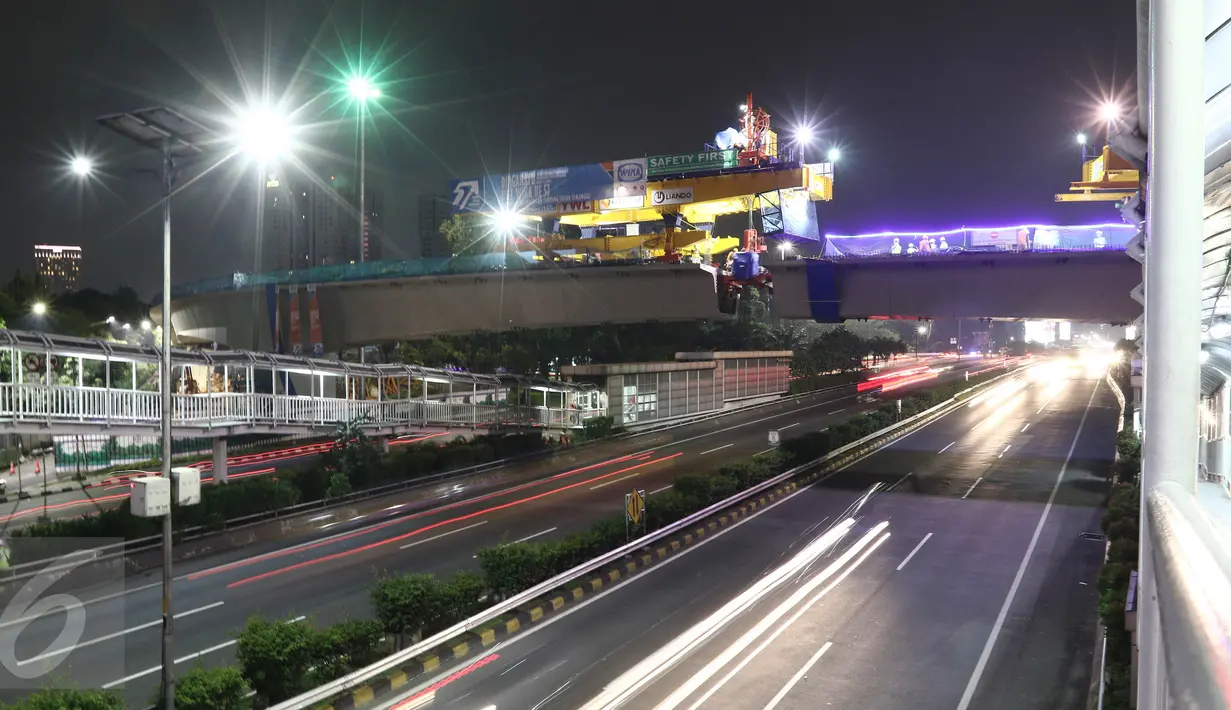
{"x":61,"y":385}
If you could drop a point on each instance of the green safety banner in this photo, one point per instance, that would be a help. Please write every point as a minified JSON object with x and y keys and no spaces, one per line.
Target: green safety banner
{"x":692,"y":162}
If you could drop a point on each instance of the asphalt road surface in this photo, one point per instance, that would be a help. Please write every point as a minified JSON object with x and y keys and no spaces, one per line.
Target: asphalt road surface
{"x":18,"y":512}
{"x":959,"y":579}
{"x":327,"y":580}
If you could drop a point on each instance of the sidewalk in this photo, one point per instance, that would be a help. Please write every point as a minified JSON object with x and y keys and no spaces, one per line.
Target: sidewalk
{"x":27,"y":479}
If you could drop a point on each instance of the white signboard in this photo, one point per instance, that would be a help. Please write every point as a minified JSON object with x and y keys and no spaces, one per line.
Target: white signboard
{"x":773,"y":438}
{"x":629,"y":177}
{"x":672,"y":196}
{"x":633,"y":202}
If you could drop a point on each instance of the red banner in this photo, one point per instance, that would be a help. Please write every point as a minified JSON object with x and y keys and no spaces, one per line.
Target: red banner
{"x":296,"y":334}
{"x":314,"y":323}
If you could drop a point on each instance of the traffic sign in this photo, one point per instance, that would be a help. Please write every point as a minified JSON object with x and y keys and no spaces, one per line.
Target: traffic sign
{"x":773,"y":437}
{"x":634,"y":507}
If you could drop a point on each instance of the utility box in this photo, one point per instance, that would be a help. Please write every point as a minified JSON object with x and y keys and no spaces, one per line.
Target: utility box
{"x":151,"y":497}
{"x":186,"y":486}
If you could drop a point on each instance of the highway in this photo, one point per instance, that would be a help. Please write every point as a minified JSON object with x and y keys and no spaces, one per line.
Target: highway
{"x":328,"y":579}
{"x":947,"y":570}
{"x":113,"y":491}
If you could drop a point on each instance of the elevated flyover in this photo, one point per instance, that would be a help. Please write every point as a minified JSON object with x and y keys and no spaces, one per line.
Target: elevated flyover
{"x":1089,"y":286}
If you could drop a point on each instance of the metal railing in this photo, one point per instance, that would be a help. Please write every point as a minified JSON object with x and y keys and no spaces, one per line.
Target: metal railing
{"x":49,"y":405}
{"x":336,"y":687}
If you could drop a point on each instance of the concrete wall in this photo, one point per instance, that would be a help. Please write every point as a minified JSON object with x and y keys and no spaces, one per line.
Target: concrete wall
{"x":1077,"y":286}
{"x":368,"y":312}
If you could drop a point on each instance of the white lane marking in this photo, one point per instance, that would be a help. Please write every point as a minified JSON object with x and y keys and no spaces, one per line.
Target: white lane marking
{"x":900,"y":481}
{"x":117,"y":634}
{"x":537,"y":534}
{"x":835,"y":411}
{"x":506,"y":670}
{"x":972,"y":487}
{"x":1025,"y":427}
{"x":773,"y":703}
{"x":444,"y":534}
{"x":720,"y":448}
{"x":134,"y":676}
{"x":912,"y":552}
{"x":155,"y":669}
{"x":765,"y":451}
{"x":951,"y":443}
{"x":1006,"y":449}
{"x":211,"y":649}
{"x":642,"y":472}
{"x":788,"y":426}
{"x":660,"y":490}
{"x":973,"y":685}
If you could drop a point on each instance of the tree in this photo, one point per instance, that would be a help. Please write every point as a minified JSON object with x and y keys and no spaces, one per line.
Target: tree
{"x":346,"y":647}
{"x":65,"y":699}
{"x":460,"y":233}
{"x":221,"y":688}
{"x":405,"y":604}
{"x":276,"y":658}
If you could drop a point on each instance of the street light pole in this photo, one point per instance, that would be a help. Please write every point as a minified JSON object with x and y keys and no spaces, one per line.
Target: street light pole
{"x":363,"y":237}
{"x":168,"y":681}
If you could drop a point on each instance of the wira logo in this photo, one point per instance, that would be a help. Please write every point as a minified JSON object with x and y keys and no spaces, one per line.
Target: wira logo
{"x":631,"y":172}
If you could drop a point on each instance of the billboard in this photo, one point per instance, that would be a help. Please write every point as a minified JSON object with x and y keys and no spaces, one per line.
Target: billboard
{"x":629,"y":176}
{"x":692,"y":162}
{"x":543,"y":191}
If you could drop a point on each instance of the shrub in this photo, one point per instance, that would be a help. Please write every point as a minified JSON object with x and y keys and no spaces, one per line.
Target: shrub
{"x":276,"y":658}
{"x":212,"y":689}
{"x":65,"y":699}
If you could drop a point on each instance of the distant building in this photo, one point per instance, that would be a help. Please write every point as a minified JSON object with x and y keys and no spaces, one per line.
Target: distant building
{"x":58,"y":267}
{"x":315,"y":223}
{"x":434,"y":210}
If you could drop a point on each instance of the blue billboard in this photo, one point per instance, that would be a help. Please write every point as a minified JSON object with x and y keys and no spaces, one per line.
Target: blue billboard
{"x":575,"y":188}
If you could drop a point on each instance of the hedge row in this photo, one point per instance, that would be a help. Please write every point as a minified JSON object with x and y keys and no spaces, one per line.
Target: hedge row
{"x":1120,"y":523}
{"x":280,"y":659}
{"x":199,"y":689}
{"x":354,"y":464}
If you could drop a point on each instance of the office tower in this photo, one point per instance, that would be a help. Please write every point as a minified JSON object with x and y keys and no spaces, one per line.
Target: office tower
{"x":433,"y":211}
{"x":313,"y":222}
{"x":58,"y":267}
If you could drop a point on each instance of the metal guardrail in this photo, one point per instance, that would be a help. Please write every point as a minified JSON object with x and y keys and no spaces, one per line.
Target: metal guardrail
{"x":341,"y":685}
{"x":1193,"y":580}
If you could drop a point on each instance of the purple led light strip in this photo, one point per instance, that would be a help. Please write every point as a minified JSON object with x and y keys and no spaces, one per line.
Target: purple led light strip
{"x":1117,"y":225}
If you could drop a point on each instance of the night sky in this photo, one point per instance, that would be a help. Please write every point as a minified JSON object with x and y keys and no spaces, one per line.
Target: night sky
{"x":948,"y":114}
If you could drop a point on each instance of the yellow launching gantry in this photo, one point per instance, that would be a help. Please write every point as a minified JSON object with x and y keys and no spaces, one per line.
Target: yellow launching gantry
{"x":1105,"y":178}
{"x":689,"y":200}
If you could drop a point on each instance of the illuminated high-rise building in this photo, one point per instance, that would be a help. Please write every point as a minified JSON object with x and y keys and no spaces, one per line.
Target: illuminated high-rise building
{"x":313,"y":223}
{"x":58,"y":267}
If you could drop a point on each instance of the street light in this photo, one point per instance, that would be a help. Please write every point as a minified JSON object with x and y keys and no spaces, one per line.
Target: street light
{"x":1109,"y":112}
{"x":146,"y":325}
{"x":833,"y":155}
{"x":506,"y":222}
{"x":110,"y":320}
{"x":39,"y":308}
{"x":81,"y":166}
{"x":784,"y":248}
{"x":175,"y":136}
{"x":803,"y":138}
{"x":362,"y":90}
{"x":262,"y":133}
{"x":1081,"y":139}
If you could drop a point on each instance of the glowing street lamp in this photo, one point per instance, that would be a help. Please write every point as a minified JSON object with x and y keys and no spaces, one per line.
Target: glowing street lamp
{"x":146,"y":325}
{"x":803,"y":139}
{"x":506,"y":222}
{"x":1081,"y":139}
{"x":362,"y":89}
{"x":785,"y":248}
{"x":833,"y":155}
{"x":81,"y":166}
{"x":39,"y":308}
{"x":263,"y":134}
{"x":1109,"y":112}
